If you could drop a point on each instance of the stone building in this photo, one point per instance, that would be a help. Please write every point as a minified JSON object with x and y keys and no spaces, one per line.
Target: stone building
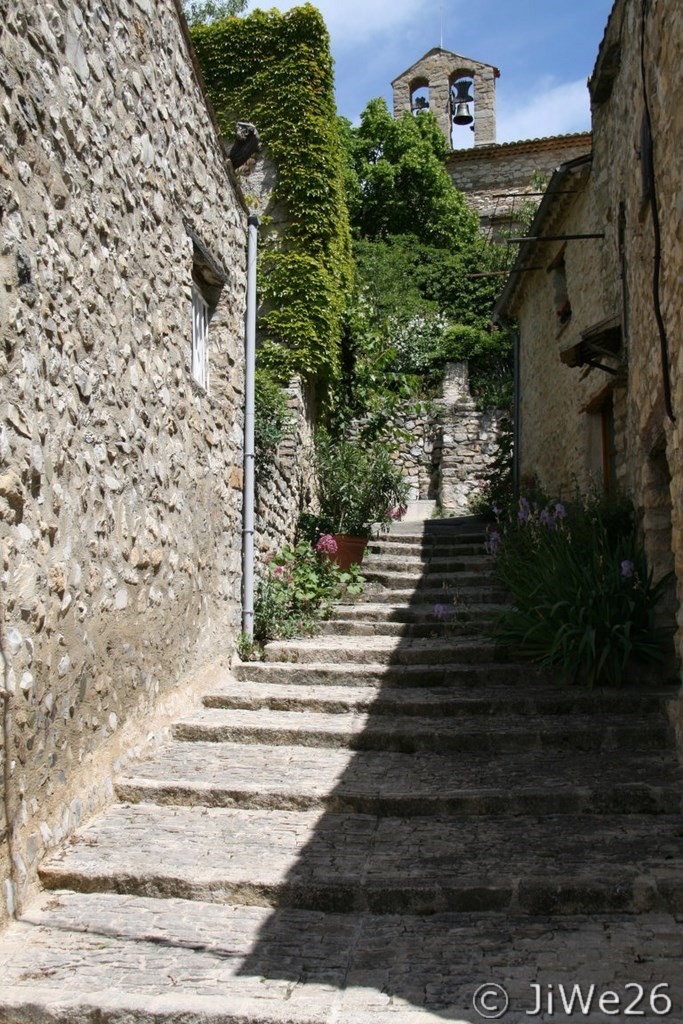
{"x":599,"y":296}
{"x":459,"y":91}
{"x":122,"y":256}
{"x":497,"y":180}
{"x":494,"y":178}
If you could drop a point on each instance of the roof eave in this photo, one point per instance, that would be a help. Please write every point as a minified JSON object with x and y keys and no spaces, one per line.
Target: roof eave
{"x":504,"y":303}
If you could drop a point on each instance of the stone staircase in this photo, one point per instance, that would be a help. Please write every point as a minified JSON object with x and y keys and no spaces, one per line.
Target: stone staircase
{"x":369,"y":826}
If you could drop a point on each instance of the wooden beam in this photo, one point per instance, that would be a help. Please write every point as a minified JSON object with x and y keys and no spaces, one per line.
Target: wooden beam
{"x":553,"y":238}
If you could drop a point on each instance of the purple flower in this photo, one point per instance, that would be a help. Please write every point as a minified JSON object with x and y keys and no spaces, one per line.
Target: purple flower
{"x":441,"y":612}
{"x":560,"y":511}
{"x":545,"y":518}
{"x":493,"y":542}
{"x":496,"y":510}
{"x":326,"y":545}
{"x":627,"y":569}
{"x":523,"y":515}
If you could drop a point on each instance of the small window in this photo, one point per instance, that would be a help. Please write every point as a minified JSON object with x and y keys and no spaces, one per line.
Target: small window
{"x":562,"y":303}
{"x":200,"y":331}
{"x":208,"y":279}
{"x":419,"y":99}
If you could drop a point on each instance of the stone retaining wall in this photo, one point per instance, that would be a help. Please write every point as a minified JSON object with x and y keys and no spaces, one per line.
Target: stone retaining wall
{"x":288,"y":486}
{"x":450,"y":447}
{"x":120,"y":477}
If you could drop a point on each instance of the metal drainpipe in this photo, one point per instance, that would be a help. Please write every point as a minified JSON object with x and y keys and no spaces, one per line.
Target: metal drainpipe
{"x":249,"y":455}
{"x":516,"y":425}
{"x":516,"y":432}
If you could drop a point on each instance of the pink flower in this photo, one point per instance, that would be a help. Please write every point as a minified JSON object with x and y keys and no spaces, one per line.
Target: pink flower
{"x":326,"y":545}
{"x":278,"y":572}
{"x":396,"y":512}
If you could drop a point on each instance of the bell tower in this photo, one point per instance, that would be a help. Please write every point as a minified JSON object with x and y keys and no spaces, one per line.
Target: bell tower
{"x":461,"y":92}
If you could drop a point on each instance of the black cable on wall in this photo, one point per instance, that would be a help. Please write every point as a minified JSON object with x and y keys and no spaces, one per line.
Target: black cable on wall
{"x":650,"y":184}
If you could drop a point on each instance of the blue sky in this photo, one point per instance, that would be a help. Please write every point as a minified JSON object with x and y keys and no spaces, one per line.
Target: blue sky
{"x":545,"y":50}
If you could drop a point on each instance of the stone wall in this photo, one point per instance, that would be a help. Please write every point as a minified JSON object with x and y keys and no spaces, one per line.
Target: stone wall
{"x":287,"y":487}
{"x":613,"y":278}
{"x":438,"y":69}
{"x":450,"y":445}
{"x":653,"y":464}
{"x":470,"y":439}
{"x":561,"y":441}
{"x":120,"y":477}
{"x":495,"y":179}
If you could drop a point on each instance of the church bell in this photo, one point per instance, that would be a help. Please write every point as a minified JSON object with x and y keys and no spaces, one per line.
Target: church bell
{"x":462,"y":114}
{"x":461,"y":99}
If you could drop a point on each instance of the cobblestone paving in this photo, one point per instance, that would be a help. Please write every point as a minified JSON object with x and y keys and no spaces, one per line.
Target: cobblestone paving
{"x":372,"y":836}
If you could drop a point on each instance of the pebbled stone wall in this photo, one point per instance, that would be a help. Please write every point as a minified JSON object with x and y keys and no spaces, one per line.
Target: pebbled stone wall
{"x":611,"y":279}
{"x":288,"y":488}
{"x":120,"y":478}
{"x":450,"y":447}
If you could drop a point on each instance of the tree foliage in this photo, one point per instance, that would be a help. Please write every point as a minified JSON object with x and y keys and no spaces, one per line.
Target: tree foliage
{"x":205,"y":12}
{"x":402,"y":183}
{"x":416,"y":246}
{"x":275,"y":70}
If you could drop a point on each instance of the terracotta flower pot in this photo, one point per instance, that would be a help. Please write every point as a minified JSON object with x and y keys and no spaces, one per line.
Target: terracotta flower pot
{"x":350,"y":550}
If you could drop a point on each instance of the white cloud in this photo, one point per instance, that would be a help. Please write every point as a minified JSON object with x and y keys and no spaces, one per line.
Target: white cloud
{"x":356,"y":21}
{"x":552,"y":110}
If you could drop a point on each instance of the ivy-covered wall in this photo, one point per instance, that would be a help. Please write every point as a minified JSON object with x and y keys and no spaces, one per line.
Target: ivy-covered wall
{"x":275,"y":70}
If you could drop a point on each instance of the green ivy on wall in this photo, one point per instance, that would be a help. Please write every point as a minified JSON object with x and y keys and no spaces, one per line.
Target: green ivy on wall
{"x":275,"y":70}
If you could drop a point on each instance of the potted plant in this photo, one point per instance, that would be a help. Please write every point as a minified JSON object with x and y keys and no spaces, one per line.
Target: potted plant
{"x":359,"y":486}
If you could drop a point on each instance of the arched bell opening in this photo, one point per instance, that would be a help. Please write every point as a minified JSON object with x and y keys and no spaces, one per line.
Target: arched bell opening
{"x":419,"y":96}
{"x":462,"y":99}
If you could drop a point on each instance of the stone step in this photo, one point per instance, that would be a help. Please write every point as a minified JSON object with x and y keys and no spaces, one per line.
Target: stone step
{"x":110,"y":959}
{"x":405,"y":785}
{"x":425,"y":550}
{"x":417,"y":581}
{"x":457,"y":674}
{"x":462,"y":597}
{"x":358,"y":628}
{"x":444,"y":535}
{"x":448,"y":701}
{"x":426,"y":566}
{"x":359,"y":730}
{"x":383,"y":866}
{"x":381,"y":650}
{"x":384,"y":611}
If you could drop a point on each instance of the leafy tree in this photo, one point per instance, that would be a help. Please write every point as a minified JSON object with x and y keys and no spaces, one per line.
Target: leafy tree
{"x":416,"y":246}
{"x":402,"y":186}
{"x":275,"y":70}
{"x":204,"y":12}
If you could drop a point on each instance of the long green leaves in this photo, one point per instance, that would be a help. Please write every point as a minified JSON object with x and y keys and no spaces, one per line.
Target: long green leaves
{"x":583,"y":598}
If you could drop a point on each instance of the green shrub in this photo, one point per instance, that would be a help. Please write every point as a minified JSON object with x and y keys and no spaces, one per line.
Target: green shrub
{"x":358,"y":484}
{"x":275,"y":69}
{"x":299,"y":590}
{"x":271,"y":420}
{"x":583,"y":598}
